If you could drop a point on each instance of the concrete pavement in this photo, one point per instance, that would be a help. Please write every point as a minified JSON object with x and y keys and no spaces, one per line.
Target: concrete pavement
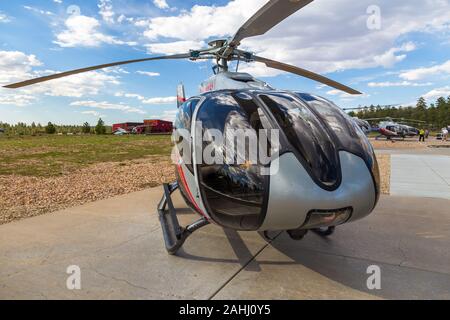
{"x":420,"y":175}
{"x":118,"y":245}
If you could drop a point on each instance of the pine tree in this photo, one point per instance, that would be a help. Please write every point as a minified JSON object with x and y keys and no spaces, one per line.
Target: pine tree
{"x":50,"y":128}
{"x":86,"y":128}
{"x":100,"y":127}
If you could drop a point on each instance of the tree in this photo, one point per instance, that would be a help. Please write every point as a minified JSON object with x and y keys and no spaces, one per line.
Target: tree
{"x":421,"y":104}
{"x":50,"y":128}
{"x":100,"y":127}
{"x":86,"y":128}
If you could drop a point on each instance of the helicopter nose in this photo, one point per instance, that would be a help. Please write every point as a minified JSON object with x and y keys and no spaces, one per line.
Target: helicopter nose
{"x":293,"y":194}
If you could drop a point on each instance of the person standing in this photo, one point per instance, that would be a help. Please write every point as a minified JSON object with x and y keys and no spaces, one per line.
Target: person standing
{"x":427,"y":134}
{"x":422,"y":135}
{"x":444,"y":134}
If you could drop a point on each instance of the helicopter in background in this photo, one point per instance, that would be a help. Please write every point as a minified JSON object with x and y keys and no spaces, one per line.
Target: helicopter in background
{"x":388,"y":127}
{"x":326,"y":173}
{"x":392,"y":130}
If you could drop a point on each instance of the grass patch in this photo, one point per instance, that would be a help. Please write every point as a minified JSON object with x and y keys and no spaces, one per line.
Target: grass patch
{"x":54,"y":155}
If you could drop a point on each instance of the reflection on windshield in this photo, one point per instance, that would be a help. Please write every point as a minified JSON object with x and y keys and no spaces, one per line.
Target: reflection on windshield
{"x":233,"y":191}
{"x":307,"y":135}
{"x":349,"y":134}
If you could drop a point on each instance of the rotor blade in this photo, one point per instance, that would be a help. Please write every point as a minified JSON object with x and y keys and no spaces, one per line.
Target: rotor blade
{"x":268,"y":17}
{"x":102,"y":66}
{"x":305,"y":73}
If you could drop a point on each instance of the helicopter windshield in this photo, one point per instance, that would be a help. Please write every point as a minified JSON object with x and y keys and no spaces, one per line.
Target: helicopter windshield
{"x":307,"y":136}
{"x":349,"y":136}
{"x":234,"y":192}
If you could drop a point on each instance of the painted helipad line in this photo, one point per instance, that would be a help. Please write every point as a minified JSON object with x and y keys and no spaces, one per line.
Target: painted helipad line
{"x":420,"y":176}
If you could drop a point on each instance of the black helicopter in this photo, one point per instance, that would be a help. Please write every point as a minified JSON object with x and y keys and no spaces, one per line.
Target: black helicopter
{"x":324,"y":174}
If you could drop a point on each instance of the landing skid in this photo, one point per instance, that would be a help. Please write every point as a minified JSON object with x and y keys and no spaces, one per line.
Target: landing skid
{"x":174,"y":235}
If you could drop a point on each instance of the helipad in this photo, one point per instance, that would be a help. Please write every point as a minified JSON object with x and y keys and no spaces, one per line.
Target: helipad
{"x":420,"y":175}
{"x":117,"y":244}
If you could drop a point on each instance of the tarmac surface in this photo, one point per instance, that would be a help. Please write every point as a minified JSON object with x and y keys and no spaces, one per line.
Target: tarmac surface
{"x":420,"y":175}
{"x":118,"y":245}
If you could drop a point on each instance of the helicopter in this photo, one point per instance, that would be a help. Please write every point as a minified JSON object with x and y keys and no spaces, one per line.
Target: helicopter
{"x":324,"y":171}
{"x":388,"y":127}
{"x":391,"y":130}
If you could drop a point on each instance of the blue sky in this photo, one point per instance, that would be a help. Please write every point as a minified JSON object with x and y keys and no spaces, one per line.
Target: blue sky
{"x":394,"y":52}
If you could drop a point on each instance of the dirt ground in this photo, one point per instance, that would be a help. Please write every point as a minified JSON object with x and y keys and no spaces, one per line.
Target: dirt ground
{"x":27,"y":196}
{"x":409,"y":143}
{"x":23,"y":196}
{"x":384,"y":162}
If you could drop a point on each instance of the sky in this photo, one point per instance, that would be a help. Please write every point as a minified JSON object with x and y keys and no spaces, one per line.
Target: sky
{"x":392,"y":51}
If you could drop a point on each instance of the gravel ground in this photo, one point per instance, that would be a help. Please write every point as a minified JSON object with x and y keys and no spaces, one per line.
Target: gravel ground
{"x":384,"y":162}
{"x":407,"y":144}
{"x":22,"y":197}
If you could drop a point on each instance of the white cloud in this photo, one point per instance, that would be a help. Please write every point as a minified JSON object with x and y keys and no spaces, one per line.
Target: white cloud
{"x":437,"y":93}
{"x":17,"y":66}
{"x":148,"y":73}
{"x":106,"y":11}
{"x":346,"y":96}
{"x":77,"y":86}
{"x":129,"y":95}
{"x":122,"y":18}
{"x":18,"y":100}
{"x":144,"y":100}
{"x":168,"y":115}
{"x":116,"y":70}
{"x":175,"y":47}
{"x":398,"y":84}
{"x":389,"y":58}
{"x":84,"y":31}
{"x":4,"y":18}
{"x":93,"y":113}
{"x":421,"y":73}
{"x":104,"y":105}
{"x":160,"y":100}
{"x":325,"y":36}
{"x":58,"y":1}
{"x":162,"y":4}
{"x":40,"y":11}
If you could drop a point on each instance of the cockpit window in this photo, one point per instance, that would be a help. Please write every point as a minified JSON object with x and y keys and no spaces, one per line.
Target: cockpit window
{"x":350,"y":136}
{"x":234,"y":191}
{"x":307,"y":136}
{"x":183,"y":121}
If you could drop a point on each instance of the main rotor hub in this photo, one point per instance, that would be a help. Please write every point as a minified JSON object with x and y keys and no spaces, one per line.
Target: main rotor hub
{"x":218,"y":43}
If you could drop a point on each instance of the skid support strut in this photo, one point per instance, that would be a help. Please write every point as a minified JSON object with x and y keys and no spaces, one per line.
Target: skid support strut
{"x":174,"y":235}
